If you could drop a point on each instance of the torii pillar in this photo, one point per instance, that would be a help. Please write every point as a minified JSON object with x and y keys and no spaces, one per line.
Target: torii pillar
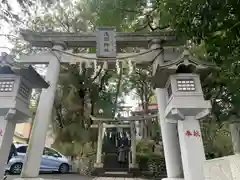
{"x":133,"y":163}
{"x":99,"y":163}
{"x":169,"y":131}
{"x":42,"y":118}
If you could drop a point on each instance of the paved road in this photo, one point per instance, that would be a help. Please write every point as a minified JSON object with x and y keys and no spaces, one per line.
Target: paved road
{"x":74,"y":177}
{"x":57,"y":176}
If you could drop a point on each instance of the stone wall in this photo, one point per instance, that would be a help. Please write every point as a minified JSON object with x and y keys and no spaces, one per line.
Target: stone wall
{"x":225,"y":168}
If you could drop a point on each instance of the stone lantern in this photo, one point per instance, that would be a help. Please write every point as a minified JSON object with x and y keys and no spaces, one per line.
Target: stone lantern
{"x":185,"y":106}
{"x":16,"y":86}
{"x":185,"y":97}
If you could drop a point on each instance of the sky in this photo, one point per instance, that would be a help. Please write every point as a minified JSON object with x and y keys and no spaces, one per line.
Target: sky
{"x":5,"y":28}
{"x":130,"y":101}
{"x":3,"y":39}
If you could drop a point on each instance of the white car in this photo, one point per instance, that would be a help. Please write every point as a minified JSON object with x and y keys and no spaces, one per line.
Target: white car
{"x":52,"y":161}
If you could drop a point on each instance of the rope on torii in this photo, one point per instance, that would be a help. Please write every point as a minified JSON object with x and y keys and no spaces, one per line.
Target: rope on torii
{"x":92,"y":61}
{"x":99,"y":59}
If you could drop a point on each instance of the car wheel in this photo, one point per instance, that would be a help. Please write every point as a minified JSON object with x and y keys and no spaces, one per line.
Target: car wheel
{"x":16,"y":168}
{"x":64,"y":168}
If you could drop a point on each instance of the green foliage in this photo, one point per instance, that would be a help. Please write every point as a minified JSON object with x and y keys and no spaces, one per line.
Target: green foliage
{"x":120,"y":14}
{"x":76,"y":149}
{"x":216,"y":138}
{"x":151,"y":165}
{"x":78,"y":96}
{"x":144,"y":146}
{"x":156,"y":132}
{"x":149,"y":156}
{"x":140,"y":82}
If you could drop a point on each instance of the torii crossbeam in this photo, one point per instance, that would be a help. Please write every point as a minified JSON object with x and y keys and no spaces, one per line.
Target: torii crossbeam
{"x":123,"y":39}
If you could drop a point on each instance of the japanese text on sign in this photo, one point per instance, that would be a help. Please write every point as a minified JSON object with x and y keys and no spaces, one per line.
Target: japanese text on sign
{"x":195,"y":133}
{"x":106,"y":42}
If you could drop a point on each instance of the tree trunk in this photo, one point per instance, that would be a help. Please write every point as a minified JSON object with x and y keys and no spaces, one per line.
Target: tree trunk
{"x":118,"y":91}
{"x":87,"y":108}
{"x":145,"y":130}
{"x":146,"y":122}
{"x":235,"y":133}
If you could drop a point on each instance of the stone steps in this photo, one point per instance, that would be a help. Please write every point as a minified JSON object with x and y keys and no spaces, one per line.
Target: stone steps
{"x":111,"y":162}
{"x":116,"y":169}
{"x":117,"y":174}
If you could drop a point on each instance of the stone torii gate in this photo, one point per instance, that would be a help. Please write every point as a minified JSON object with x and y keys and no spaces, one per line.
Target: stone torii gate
{"x":124,"y":122}
{"x":60,"y":42}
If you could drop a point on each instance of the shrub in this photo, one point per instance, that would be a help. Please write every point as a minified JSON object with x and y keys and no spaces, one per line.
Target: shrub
{"x":144,"y":146}
{"x":151,"y":164}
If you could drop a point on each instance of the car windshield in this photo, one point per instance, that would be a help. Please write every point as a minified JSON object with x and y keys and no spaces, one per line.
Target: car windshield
{"x":21,"y":149}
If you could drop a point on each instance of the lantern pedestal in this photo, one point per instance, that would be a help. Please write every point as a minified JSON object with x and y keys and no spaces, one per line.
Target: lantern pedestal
{"x":7,"y":128}
{"x":192,"y":149}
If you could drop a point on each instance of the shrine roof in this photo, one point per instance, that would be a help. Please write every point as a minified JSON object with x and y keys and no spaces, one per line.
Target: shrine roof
{"x":86,"y":39}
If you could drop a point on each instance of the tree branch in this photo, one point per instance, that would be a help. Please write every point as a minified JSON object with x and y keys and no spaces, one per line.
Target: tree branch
{"x":148,"y":23}
{"x":102,"y":81}
{"x":59,"y":117}
{"x":98,"y":73}
{"x":62,"y":24}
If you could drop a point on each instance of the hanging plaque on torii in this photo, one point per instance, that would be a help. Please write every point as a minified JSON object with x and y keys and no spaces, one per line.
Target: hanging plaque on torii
{"x":106,"y":42}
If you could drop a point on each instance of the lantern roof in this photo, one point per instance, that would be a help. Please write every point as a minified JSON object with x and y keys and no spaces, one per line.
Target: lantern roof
{"x":185,"y":63}
{"x":9,"y":66}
